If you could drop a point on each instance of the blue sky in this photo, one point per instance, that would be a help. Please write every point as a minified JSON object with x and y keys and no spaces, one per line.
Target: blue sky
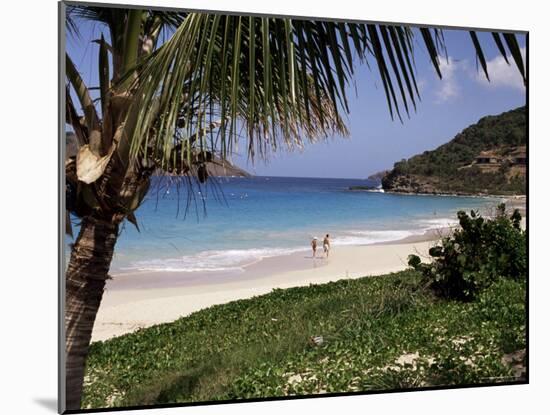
{"x":376,"y":141}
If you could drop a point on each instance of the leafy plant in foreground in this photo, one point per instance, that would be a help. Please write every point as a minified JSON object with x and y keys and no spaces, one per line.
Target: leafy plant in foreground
{"x":476,"y":254}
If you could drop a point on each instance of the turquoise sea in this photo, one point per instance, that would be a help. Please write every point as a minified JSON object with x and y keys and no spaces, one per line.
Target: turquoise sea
{"x":233,"y":222}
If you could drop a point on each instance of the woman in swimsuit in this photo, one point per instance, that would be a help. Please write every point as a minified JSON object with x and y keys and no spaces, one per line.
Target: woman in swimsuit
{"x":314,"y":246}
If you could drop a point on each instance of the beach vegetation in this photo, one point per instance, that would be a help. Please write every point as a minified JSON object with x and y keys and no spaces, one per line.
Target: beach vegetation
{"x":478,"y":252}
{"x":379,"y":333}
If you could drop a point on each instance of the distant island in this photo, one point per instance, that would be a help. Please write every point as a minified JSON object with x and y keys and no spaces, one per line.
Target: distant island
{"x":376,"y":187}
{"x":488,"y":157}
{"x":216,"y":167}
{"x":222,"y":168}
{"x":378,"y":175}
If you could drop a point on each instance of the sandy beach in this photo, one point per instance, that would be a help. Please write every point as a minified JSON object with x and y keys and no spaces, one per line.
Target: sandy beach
{"x":142,"y":299}
{"x":138,"y":300}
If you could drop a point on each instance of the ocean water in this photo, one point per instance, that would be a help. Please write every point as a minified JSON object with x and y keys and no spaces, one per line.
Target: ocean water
{"x":234,"y":222}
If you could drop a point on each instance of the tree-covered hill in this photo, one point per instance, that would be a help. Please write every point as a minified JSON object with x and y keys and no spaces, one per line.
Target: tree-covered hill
{"x":459,"y":167}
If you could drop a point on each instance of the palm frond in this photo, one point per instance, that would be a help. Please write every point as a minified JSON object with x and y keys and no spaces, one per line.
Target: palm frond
{"x":252,"y":63}
{"x":248,"y":85}
{"x":281,"y":81}
{"x":500,"y":46}
{"x":121,"y":23}
{"x":479,"y":53}
{"x":513,"y":46}
{"x":72,"y":26}
{"x":432,"y":48}
{"x":88,"y":107}
{"x":515,"y":51}
{"x":107,"y":15}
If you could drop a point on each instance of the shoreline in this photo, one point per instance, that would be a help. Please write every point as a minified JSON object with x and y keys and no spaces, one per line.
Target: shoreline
{"x":139,"y":300}
{"x":260,"y":268}
{"x":145,"y":298}
{"x":478,"y":195}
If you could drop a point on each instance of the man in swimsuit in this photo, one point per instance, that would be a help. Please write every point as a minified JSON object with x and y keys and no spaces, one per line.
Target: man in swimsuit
{"x":326,"y":244}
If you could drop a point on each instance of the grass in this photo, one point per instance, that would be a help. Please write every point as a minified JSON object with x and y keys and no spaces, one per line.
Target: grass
{"x":378,"y":333}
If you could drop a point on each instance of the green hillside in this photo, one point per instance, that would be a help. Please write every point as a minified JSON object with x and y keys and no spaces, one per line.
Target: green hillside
{"x":455,"y":168}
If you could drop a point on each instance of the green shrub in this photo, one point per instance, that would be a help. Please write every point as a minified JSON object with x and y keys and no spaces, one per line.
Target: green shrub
{"x":475,"y":255}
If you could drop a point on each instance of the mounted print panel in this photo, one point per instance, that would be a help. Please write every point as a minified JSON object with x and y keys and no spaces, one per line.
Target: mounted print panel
{"x":263,"y":207}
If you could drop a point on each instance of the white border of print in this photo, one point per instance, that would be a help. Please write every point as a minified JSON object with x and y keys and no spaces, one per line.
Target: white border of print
{"x":29,"y":185}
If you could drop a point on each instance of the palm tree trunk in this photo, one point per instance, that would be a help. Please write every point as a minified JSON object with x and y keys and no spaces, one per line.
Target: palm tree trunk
{"x":85,"y":280}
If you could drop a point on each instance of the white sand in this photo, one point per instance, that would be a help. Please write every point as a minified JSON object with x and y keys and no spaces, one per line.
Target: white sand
{"x":124,"y":310}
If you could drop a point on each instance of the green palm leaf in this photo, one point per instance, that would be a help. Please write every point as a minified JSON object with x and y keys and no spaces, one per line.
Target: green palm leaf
{"x":283,"y":81}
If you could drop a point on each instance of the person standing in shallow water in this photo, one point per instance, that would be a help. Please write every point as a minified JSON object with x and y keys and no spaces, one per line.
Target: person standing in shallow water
{"x":326,"y":244}
{"x":314,"y":246}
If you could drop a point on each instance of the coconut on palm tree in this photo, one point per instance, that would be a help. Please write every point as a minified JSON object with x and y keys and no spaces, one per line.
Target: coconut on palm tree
{"x":171,"y":107}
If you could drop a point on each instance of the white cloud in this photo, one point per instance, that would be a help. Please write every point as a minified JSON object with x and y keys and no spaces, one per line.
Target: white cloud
{"x":421,"y":84}
{"x":447,"y":87}
{"x":501,"y":74}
